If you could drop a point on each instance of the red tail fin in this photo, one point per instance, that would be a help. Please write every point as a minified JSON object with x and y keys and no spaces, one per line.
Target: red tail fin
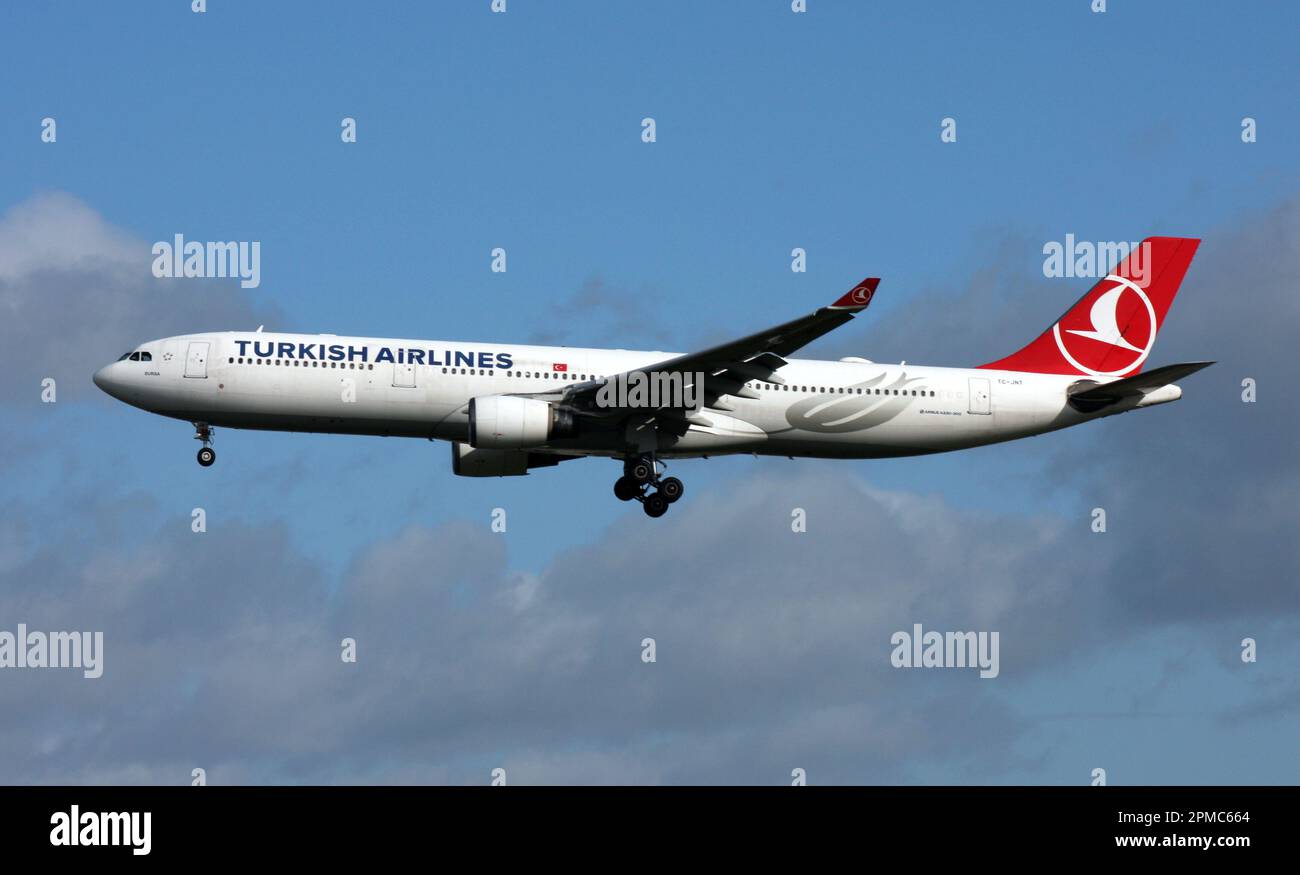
{"x":1113,"y":328}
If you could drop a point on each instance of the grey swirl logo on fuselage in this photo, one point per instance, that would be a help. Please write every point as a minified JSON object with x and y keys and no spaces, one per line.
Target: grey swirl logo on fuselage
{"x":832,"y":414}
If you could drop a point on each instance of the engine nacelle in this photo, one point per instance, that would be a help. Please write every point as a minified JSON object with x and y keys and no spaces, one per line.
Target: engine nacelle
{"x":508,"y":422}
{"x":469,"y":462}
{"x":466,"y":461}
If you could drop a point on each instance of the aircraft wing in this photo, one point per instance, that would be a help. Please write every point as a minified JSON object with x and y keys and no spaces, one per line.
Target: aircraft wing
{"x":728,"y":366}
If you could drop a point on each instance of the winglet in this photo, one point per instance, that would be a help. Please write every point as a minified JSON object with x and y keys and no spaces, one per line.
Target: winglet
{"x":859,"y":297}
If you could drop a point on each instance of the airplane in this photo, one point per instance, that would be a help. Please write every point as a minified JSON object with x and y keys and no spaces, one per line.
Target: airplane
{"x":508,"y":409}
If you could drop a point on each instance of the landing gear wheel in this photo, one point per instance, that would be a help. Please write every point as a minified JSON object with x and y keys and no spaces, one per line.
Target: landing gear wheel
{"x":671,"y":489}
{"x":203,"y":432}
{"x":640,"y":470}
{"x":626,"y":489}
{"x":655,"y":505}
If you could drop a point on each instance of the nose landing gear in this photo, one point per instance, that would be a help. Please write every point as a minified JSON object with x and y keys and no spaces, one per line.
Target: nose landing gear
{"x":207,"y":455}
{"x":640,"y":473}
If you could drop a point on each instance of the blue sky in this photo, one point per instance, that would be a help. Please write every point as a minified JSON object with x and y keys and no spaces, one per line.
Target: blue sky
{"x":775,"y":130}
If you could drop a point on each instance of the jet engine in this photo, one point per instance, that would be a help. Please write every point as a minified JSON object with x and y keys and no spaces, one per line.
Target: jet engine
{"x":508,"y":422}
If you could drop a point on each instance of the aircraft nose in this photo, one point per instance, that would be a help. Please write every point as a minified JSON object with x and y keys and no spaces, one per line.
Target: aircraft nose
{"x":105,"y":381}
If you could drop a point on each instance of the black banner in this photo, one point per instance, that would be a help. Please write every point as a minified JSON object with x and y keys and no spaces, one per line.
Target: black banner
{"x":327,"y":823}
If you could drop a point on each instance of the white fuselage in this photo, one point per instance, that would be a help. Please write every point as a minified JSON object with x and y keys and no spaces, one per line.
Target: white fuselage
{"x":421,"y":388}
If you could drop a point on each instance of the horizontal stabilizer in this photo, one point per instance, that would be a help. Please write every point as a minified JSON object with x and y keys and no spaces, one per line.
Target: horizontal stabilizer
{"x":1087,"y":392}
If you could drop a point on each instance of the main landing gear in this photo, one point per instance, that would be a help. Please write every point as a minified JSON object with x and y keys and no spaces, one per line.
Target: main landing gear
{"x":639,"y":474}
{"x":207,"y":455}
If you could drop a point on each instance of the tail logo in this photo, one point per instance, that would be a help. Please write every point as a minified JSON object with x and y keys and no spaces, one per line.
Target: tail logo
{"x":1117,"y":330}
{"x":860,"y":295}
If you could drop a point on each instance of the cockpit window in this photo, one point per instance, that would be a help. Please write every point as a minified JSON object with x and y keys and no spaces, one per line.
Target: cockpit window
{"x":124,"y":357}
{"x":146,"y":356}
{"x":135,"y":356}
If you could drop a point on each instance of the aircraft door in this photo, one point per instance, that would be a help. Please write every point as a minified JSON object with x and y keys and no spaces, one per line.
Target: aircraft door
{"x":979,"y":396}
{"x":196,"y":360}
{"x":404,"y":376}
